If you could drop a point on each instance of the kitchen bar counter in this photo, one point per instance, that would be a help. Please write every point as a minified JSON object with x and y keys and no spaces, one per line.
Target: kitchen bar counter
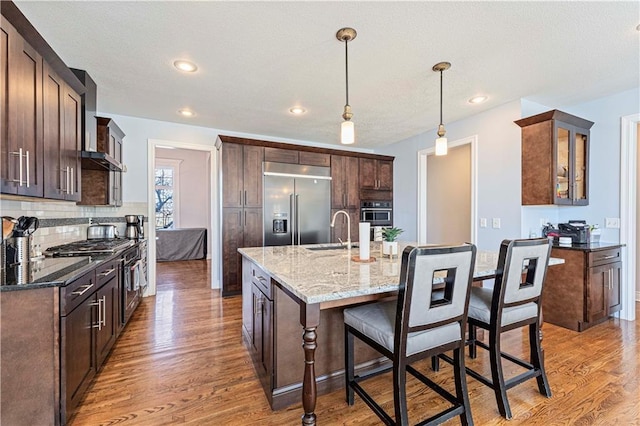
{"x":319,"y":282}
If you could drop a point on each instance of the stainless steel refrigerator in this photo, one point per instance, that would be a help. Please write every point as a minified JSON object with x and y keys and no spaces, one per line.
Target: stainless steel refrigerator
{"x":297,"y":204}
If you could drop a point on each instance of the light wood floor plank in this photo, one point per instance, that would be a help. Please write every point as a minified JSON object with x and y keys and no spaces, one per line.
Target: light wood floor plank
{"x":181,"y":360}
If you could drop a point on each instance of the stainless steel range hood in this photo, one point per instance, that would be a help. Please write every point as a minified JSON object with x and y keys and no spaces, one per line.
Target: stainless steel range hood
{"x":91,"y":157}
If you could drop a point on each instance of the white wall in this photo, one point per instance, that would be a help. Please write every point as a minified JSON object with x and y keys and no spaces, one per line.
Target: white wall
{"x":498,"y":172}
{"x":499,"y":166}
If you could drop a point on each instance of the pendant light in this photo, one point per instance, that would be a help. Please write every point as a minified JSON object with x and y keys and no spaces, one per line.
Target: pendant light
{"x":441,"y":142}
{"x":347,"y":130}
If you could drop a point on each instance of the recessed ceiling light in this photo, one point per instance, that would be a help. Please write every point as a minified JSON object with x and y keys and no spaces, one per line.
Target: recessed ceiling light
{"x":297,"y":110}
{"x":477,"y":99}
{"x":186,"y":112}
{"x":185,"y":66}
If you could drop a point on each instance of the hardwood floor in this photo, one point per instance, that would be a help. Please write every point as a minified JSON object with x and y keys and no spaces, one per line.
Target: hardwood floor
{"x":181,"y":361}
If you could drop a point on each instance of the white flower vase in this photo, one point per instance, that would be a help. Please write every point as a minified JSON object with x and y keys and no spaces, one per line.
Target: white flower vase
{"x":390,"y":248}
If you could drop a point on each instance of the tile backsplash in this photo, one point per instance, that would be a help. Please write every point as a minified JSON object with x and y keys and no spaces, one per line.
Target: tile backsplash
{"x":63,"y":222}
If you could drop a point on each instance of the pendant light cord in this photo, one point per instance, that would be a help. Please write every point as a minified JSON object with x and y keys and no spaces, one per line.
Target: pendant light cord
{"x":346,"y":66}
{"x":441,"y":97}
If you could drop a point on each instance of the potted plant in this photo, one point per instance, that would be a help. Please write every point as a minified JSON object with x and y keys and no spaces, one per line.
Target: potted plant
{"x":389,"y":243}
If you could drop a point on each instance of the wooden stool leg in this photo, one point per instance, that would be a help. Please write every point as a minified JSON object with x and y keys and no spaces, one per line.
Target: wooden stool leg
{"x":537,"y":360}
{"x":497,"y":374}
{"x":462,"y":393}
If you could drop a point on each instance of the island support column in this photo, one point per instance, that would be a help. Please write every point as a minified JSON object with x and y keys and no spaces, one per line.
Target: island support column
{"x":310,"y":319}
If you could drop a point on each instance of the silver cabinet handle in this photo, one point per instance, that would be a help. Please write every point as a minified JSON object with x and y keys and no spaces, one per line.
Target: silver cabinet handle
{"x":609,"y":257}
{"x":27,"y":169}
{"x":107,"y":272}
{"x":102,"y":312}
{"x":245,"y":197}
{"x":86,"y":288}
{"x":72,"y":185}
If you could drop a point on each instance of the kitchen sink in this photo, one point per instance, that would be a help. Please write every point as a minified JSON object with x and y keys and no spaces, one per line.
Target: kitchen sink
{"x":331,"y":247}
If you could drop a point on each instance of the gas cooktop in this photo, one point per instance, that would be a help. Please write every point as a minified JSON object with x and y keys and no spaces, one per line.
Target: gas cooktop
{"x":89,"y":247}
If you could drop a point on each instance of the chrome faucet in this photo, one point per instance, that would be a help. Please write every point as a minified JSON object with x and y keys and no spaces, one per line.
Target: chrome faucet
{"x":333,"y":223}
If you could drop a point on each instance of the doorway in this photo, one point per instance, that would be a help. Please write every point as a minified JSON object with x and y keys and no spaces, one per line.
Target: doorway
{"x":202,"y":215}
{"x":446,"y":216}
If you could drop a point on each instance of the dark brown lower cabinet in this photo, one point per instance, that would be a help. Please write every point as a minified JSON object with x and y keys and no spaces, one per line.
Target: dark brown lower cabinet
{"x":106,"y":326}
{"x":78,"y":361}
{"x":585,"y":290}
{"x":262,"y":338}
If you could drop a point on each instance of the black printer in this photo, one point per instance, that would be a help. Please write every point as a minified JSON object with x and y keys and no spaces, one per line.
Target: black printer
{"x":578,"y":230}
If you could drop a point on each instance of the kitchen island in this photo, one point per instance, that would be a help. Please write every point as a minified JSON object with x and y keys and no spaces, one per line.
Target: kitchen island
{"x":314,"y":284}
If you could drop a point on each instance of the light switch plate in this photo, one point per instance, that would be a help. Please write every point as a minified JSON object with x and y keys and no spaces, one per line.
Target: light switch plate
{"x":612,"y":222}
{"x":495,"y":222}
{"x":483,"y":222}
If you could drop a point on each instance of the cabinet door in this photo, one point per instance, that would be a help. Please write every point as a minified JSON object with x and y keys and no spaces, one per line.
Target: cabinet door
{"x":232,"y":175}
{"x":72,"y":141}
{"x":252,"y":224}
{"x":252,"y":175}
{"x":384,"y":172}
{"x":614,"y":296}
{"x":56,"y":178}
{"x":6,"y":33}
{"x":280,"y":155}
{"x":580,"y":170}
{"x":367,"y":172}
{"x":345,"y":183}
{"x":262,"y":342}
{"x":598,"y":293}
{"x":232,"y":239}
{"x":22,"y":156}
{"x":106,"y":323}
{"x":77,"y":357}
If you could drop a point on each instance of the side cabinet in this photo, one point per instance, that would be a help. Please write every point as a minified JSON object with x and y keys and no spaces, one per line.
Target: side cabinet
{"x":585,"y":290}
{"x":107,"y":321}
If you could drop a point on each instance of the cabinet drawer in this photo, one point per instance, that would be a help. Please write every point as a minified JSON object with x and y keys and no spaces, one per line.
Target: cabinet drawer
{"x":603,"y":257}
{"x":279,"y":155}
{"x":106,"y":271}
{"x":261,"y":279}
{"x":76,"y":292}
{"x":315,"y":159}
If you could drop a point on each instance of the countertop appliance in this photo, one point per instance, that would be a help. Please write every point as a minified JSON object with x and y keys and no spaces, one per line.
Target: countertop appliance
{"x":377,"y":213}
{"x":102,"y":232}
{"x":577,"y":230}
{"x":297,"y":204}
{"x":135,"y":227}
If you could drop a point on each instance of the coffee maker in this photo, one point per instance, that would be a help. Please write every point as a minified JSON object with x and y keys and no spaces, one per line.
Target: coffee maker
{"x":135,"y":227}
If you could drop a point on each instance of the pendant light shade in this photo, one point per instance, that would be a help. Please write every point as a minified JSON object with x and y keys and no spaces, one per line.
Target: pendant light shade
{"x":347,"y":129}
{"x":347,"y":132}
{"x":441,"y":142}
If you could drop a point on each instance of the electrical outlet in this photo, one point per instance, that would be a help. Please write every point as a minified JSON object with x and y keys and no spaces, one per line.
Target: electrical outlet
{"x":612,"y":222}
{"x":483,"y":222}
{"x":495,"y":222}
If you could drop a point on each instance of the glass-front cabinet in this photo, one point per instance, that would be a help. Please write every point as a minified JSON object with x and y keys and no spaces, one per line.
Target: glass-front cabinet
{"x":555,"y":159}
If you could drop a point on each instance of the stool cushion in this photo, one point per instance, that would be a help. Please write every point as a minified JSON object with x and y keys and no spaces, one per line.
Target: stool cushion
{"x":480,"y":308}
{"x":377,"y":321}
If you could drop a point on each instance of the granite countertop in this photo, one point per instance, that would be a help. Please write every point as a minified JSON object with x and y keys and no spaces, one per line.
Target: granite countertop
{"x":317,"y":276}
{"x":48,"y":272}
{"x":588,"y":246}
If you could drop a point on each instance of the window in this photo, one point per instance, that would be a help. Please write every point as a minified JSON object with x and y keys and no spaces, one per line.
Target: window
{"x":166,"y":185}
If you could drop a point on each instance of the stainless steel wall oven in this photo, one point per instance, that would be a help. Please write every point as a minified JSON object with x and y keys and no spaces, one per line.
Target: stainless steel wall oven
{"x":377,"y":213}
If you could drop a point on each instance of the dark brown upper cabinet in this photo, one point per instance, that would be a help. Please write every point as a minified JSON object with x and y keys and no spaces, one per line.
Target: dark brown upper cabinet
{"x":555,"y":159}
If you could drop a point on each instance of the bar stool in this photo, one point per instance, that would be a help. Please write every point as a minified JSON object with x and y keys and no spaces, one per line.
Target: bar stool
{"x":415,"y":327}
{"x":511,"y":304}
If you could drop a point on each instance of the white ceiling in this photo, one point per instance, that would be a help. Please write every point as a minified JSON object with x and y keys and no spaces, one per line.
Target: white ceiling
{"x":258,"y":59}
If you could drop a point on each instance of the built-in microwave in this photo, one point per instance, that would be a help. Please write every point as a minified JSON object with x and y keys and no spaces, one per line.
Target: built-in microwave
{"x":377,"y":213}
